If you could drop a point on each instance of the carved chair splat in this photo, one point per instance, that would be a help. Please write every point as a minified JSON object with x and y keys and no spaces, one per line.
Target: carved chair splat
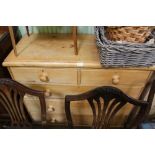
{"x":12,"y":99}
{"x":105,"y":103}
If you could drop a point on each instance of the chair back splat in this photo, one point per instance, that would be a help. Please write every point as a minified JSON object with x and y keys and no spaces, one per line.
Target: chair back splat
{"x":12,"y":99}
{"x":105,"y":103}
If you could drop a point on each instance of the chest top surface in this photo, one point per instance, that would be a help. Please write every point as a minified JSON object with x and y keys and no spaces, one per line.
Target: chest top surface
{"x":56,"y":50}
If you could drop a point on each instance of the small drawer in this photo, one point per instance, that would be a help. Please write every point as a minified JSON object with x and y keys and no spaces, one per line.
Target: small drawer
{"x":59,"y":92}
{"x":113,"y":77}
{"x":56,"y":110}
{"x":56,"y":106}
{"x":45,"y":75}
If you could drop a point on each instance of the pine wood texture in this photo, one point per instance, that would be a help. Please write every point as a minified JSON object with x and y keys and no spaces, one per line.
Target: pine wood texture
{"x":70,"y":76}
{"x":74,"y":33}
{"x":48,"y":63}
{"x":103,"y":76}
{"x":67,"y":76}
{"x":59,"y":91}
{"x":57,"y":51}
{"x":74,"y":29}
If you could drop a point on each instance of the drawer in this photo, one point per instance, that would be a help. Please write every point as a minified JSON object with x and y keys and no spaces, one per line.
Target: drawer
{"x":57,"y":91}
{"x":56,"y":110}
{"x":45,"y":75}
{"x":113,"y":77}
{"x":55,"y":106}
{"x":81,"y":111}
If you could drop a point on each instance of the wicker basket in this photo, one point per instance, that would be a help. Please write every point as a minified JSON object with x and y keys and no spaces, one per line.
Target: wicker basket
{"x":135,"y":34}
{"x":125,"y":54}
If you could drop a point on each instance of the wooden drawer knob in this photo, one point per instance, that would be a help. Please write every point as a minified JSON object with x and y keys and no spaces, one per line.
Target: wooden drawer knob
{"x":115,"y":79}
{"x":44,"y":77}
{"x":48,"y":93}
{"x":51,"y":108}
{"x":53,"y":120}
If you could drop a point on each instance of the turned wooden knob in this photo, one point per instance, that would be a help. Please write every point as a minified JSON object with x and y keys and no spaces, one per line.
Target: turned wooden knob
{"x":53,"y":120}
{"x":115,"y":79}
{"x":48,"y":92}
{"x":44,"y":77}
{"x":51,"y":108}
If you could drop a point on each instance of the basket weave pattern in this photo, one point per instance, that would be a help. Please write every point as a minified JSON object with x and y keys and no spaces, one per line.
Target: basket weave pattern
{"x":125,"y":54}
{"x":136,"y":34}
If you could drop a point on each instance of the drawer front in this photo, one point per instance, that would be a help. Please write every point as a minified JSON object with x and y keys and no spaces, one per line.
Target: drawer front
{"x":81,"y":111}
{"x":56,"y":111}
{"x":56,"y":106}
{"x":45,"y":75}
{"x":57,"y":91}
{"x":113,"y":77}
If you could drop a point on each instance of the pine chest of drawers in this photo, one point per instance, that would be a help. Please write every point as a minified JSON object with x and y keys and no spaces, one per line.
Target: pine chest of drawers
{"x":49,"y":64}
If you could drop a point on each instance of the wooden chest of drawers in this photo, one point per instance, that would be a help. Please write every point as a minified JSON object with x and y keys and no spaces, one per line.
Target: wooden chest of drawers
{"x":59,"y":72}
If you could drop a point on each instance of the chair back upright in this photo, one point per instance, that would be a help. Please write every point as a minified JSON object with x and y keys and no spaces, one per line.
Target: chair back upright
{"x":12,"y":100}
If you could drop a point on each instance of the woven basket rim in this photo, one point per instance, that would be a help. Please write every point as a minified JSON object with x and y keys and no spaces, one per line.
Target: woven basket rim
{"x":113,"y":54}
{"x":124,"y":44}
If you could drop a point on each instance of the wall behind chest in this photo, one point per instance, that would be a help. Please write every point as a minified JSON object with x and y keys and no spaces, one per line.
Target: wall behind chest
{"x":57,"y":29}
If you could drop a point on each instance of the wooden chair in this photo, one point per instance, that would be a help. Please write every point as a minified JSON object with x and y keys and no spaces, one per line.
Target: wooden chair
{"x":105,"y":103}
{"x":11,"y":99}
{"x":149,"y":122}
